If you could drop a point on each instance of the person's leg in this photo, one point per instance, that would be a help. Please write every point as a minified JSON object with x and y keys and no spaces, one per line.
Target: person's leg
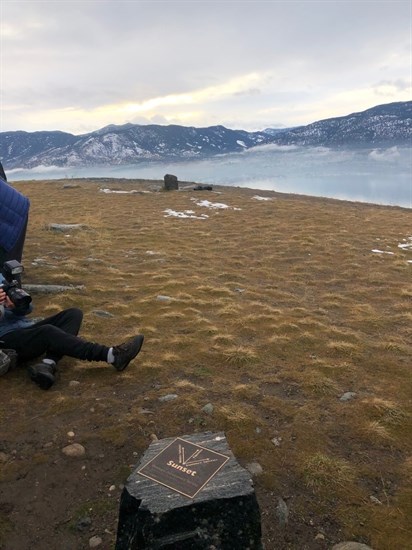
{"x":48,"y":339}
{"x":57,"y":336}
{"x":69,"y":320}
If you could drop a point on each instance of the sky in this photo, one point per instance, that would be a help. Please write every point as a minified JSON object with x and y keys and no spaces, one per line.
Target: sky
{"x":77,"y":66}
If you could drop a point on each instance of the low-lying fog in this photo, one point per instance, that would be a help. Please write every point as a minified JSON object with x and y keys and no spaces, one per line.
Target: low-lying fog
{"x":380,"y":176}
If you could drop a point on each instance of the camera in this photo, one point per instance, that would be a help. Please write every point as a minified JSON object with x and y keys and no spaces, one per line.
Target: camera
{"x":11,"y":286}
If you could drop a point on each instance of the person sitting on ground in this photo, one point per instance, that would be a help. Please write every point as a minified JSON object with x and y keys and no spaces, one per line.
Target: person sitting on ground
{"x":53,"y":338}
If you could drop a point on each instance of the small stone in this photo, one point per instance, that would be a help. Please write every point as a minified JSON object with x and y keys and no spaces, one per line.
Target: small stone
{"x":74,"y":383}
{"x":168,"y":397}
{"x":95,"y":541}
{"x":62,"y":227}
{"x":102,"y":313}
{"x":254,"y":468}
{"x":74,"y":450}
{"x":112,"y":488}
{"x":282,"y":512}
{"x":347,"y":396}
{"x":208,"y":409}
{"x":276,"y":441}
{"x":320,"y":536}
{"x":70,"y":434}
{"x":154,"y":437}
{"x":375,"y":500}
{"x":162,"y":298}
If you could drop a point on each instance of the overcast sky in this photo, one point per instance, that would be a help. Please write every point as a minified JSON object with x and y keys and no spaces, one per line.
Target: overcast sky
{"x":77,"y":66}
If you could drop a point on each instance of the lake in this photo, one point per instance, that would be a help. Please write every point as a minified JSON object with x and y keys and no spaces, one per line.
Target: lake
{"x":379,"y":176}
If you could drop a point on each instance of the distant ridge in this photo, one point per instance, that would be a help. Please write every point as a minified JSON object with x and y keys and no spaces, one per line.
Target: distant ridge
{"x":384,"y":125}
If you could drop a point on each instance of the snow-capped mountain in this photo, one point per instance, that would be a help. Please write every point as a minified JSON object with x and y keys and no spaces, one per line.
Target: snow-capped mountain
{"x":387,"y":125}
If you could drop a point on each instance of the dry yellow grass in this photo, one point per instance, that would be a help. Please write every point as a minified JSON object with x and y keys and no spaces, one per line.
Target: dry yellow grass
{"x":274,"y":309}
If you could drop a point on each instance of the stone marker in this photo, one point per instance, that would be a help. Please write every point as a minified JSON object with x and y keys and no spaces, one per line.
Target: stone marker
{"x":189,"y":493}
{"x":171,"y":182}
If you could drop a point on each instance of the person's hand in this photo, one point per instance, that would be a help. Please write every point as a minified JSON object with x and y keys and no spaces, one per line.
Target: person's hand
{"x":5,"y":300}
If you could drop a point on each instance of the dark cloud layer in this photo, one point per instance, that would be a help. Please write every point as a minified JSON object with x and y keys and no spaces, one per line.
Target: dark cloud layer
{"x":90,"y":55}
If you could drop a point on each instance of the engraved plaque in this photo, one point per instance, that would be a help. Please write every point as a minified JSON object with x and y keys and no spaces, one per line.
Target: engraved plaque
{"x":184,"y":467}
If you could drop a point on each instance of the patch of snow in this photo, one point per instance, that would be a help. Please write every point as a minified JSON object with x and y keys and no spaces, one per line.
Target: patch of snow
{"x":407,"y":245}
{"x":209,"y":204}
{"x":259,"y":198}
{"x":185,"y":214}
{"x":118,"y":191}
{"x":241,"y":143}
{"x":377,"y":251}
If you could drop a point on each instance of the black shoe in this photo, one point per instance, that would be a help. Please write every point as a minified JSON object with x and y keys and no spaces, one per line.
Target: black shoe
{"x":127,"y":351}
{"x":43,"y":375}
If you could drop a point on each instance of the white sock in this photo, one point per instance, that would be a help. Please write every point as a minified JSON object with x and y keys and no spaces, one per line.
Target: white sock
{"x":49,"y":362}
{"x":110,"y":356}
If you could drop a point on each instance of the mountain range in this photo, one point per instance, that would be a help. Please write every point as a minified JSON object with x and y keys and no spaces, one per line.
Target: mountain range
{"x":381,"y":126}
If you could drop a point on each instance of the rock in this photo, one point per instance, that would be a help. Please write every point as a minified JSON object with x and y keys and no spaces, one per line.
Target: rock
{"x":320,"y":536}
{"x":221,"y":513}
{"x":102,"y":313}
{"x":203,"y":188}
{"x":70,"y":434}
{"x":70,"y":186}
{"x":375,"y":500}
{"x":170,"y":182}
{"x":208,"y":409}
{"x":154,"y":437}
{"x":51,"y":289}
{"x":74,"y":450}
{"x":282,"y":512}
{"x":276,"y":441}
{"x":95,"y":541}
{"x":64,"y":227}
{"x":349,"y":545}
{"x":74,"y":383}
{"x":347,"y":396}
{"x":162,"y":298}
{"x":254,"y":468}
{"x":112,"y":488}
{"x":169,"y":397}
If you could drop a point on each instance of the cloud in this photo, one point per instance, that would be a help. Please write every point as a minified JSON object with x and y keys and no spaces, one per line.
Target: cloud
{"x":69,"y":65}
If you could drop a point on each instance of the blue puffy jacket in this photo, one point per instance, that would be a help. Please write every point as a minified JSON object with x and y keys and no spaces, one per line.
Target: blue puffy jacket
{"x":14,"y":209}
{"x":10,"y":319}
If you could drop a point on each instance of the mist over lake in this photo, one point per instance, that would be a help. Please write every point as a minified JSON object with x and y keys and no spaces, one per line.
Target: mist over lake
{"x":379,"y":176}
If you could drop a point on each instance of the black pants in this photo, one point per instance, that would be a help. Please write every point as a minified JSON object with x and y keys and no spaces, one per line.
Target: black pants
{"x":55,"y":336}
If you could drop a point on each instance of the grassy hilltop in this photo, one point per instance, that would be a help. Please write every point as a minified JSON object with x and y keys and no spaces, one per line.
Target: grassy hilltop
{"x":274,"y":310}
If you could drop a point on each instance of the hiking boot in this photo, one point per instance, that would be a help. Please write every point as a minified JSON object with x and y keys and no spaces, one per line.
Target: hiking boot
{"x":43,"y":375}
{"x":126,"y":352}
